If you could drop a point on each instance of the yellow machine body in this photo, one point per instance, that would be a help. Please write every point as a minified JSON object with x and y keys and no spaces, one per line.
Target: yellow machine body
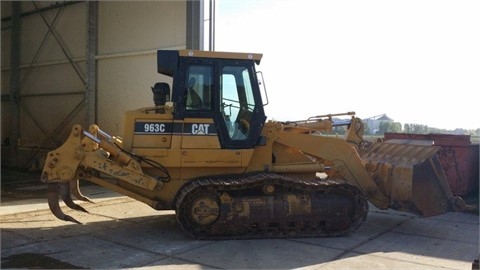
{"x":229,"y":173}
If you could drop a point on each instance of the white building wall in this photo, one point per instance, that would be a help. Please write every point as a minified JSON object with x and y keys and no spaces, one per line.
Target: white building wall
{"x":129,"y":35}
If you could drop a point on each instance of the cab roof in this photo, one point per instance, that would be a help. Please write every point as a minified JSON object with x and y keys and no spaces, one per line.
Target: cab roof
{"x":167,"y":60}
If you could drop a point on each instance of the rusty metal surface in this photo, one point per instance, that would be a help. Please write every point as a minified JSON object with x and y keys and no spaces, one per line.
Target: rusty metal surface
{"x":410,"y":174}
{"x":458,"y":157}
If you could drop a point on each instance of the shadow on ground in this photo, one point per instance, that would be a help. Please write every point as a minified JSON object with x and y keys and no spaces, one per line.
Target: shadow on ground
{"x":38,"y":240}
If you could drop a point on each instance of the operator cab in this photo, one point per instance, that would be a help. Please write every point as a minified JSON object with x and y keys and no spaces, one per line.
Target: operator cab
{"x":219,"y":86}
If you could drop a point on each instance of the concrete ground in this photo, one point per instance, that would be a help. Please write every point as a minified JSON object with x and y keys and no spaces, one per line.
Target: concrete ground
{"x":122,"y":233}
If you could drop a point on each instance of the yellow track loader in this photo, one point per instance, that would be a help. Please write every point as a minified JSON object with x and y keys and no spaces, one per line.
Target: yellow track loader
{"x":206,"y":150}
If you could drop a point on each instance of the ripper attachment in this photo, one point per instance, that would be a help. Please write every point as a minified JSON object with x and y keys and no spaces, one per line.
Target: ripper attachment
{"x":61,"y":168}
{"x":86,"y":154}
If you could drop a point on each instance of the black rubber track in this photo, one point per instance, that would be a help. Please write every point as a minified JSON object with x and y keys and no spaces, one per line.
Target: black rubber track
{"x":247,"y":184}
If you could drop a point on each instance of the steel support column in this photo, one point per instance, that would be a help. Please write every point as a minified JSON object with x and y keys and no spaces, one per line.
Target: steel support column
{"x":91,"y":82}
{"x":195,"y":10}
{"x":15,"y":83}
{"x":211,"y":25}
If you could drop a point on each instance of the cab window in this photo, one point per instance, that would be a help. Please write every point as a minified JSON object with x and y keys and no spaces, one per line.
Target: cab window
{"x":199,"y":87}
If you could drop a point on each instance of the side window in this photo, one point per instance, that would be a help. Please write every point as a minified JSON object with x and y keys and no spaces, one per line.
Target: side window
{"x":237,"y":102}
{"x":230,"y":104}
{"x":199,"y":88}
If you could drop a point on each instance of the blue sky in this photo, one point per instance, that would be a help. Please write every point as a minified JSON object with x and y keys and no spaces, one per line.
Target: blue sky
{"x":417,"y":61}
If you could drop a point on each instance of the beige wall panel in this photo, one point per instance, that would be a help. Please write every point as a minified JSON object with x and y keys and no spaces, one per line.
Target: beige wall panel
{"x":5,"y":48}
{"x":6,"y":7}
{"x":39,"y":117}
{"x":5,"y":56}
{"x":33,"y":30}
{"x":69,"y":28}
{"x":127,"y":26}
{"x":5,"y":111}
{"x":28,"y":6}
{"x":129,"y":33}
{"x":5,"y":83}
{"x":132,"y":32}
{"x":125,"y":84}
{"x":54,"y":79}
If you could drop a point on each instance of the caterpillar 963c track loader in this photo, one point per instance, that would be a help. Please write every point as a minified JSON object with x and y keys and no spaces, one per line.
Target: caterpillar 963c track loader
{"x":209,"y":154}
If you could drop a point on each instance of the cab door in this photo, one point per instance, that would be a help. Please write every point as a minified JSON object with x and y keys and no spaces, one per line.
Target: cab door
{"x":241,"y":116}
{"x":200,"y":146}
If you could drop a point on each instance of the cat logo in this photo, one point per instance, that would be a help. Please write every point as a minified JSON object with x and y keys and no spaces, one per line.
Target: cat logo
{"x":200,"y":129}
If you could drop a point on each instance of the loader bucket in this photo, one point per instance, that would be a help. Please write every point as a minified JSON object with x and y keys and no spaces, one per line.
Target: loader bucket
{"x":410,"y":174}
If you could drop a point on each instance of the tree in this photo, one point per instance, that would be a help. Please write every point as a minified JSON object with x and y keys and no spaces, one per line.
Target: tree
{"x":340,"y":130}
{"x":388,"y":126}
{"x":415,"y":129}
{"x":366,"y":129}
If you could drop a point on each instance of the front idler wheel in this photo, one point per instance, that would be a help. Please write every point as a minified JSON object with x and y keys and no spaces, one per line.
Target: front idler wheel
{"x":198,"y":212}
{"x":205,"y":209}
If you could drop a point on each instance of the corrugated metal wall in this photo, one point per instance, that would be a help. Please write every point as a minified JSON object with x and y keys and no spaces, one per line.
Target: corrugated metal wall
{"x":53,"y":68}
